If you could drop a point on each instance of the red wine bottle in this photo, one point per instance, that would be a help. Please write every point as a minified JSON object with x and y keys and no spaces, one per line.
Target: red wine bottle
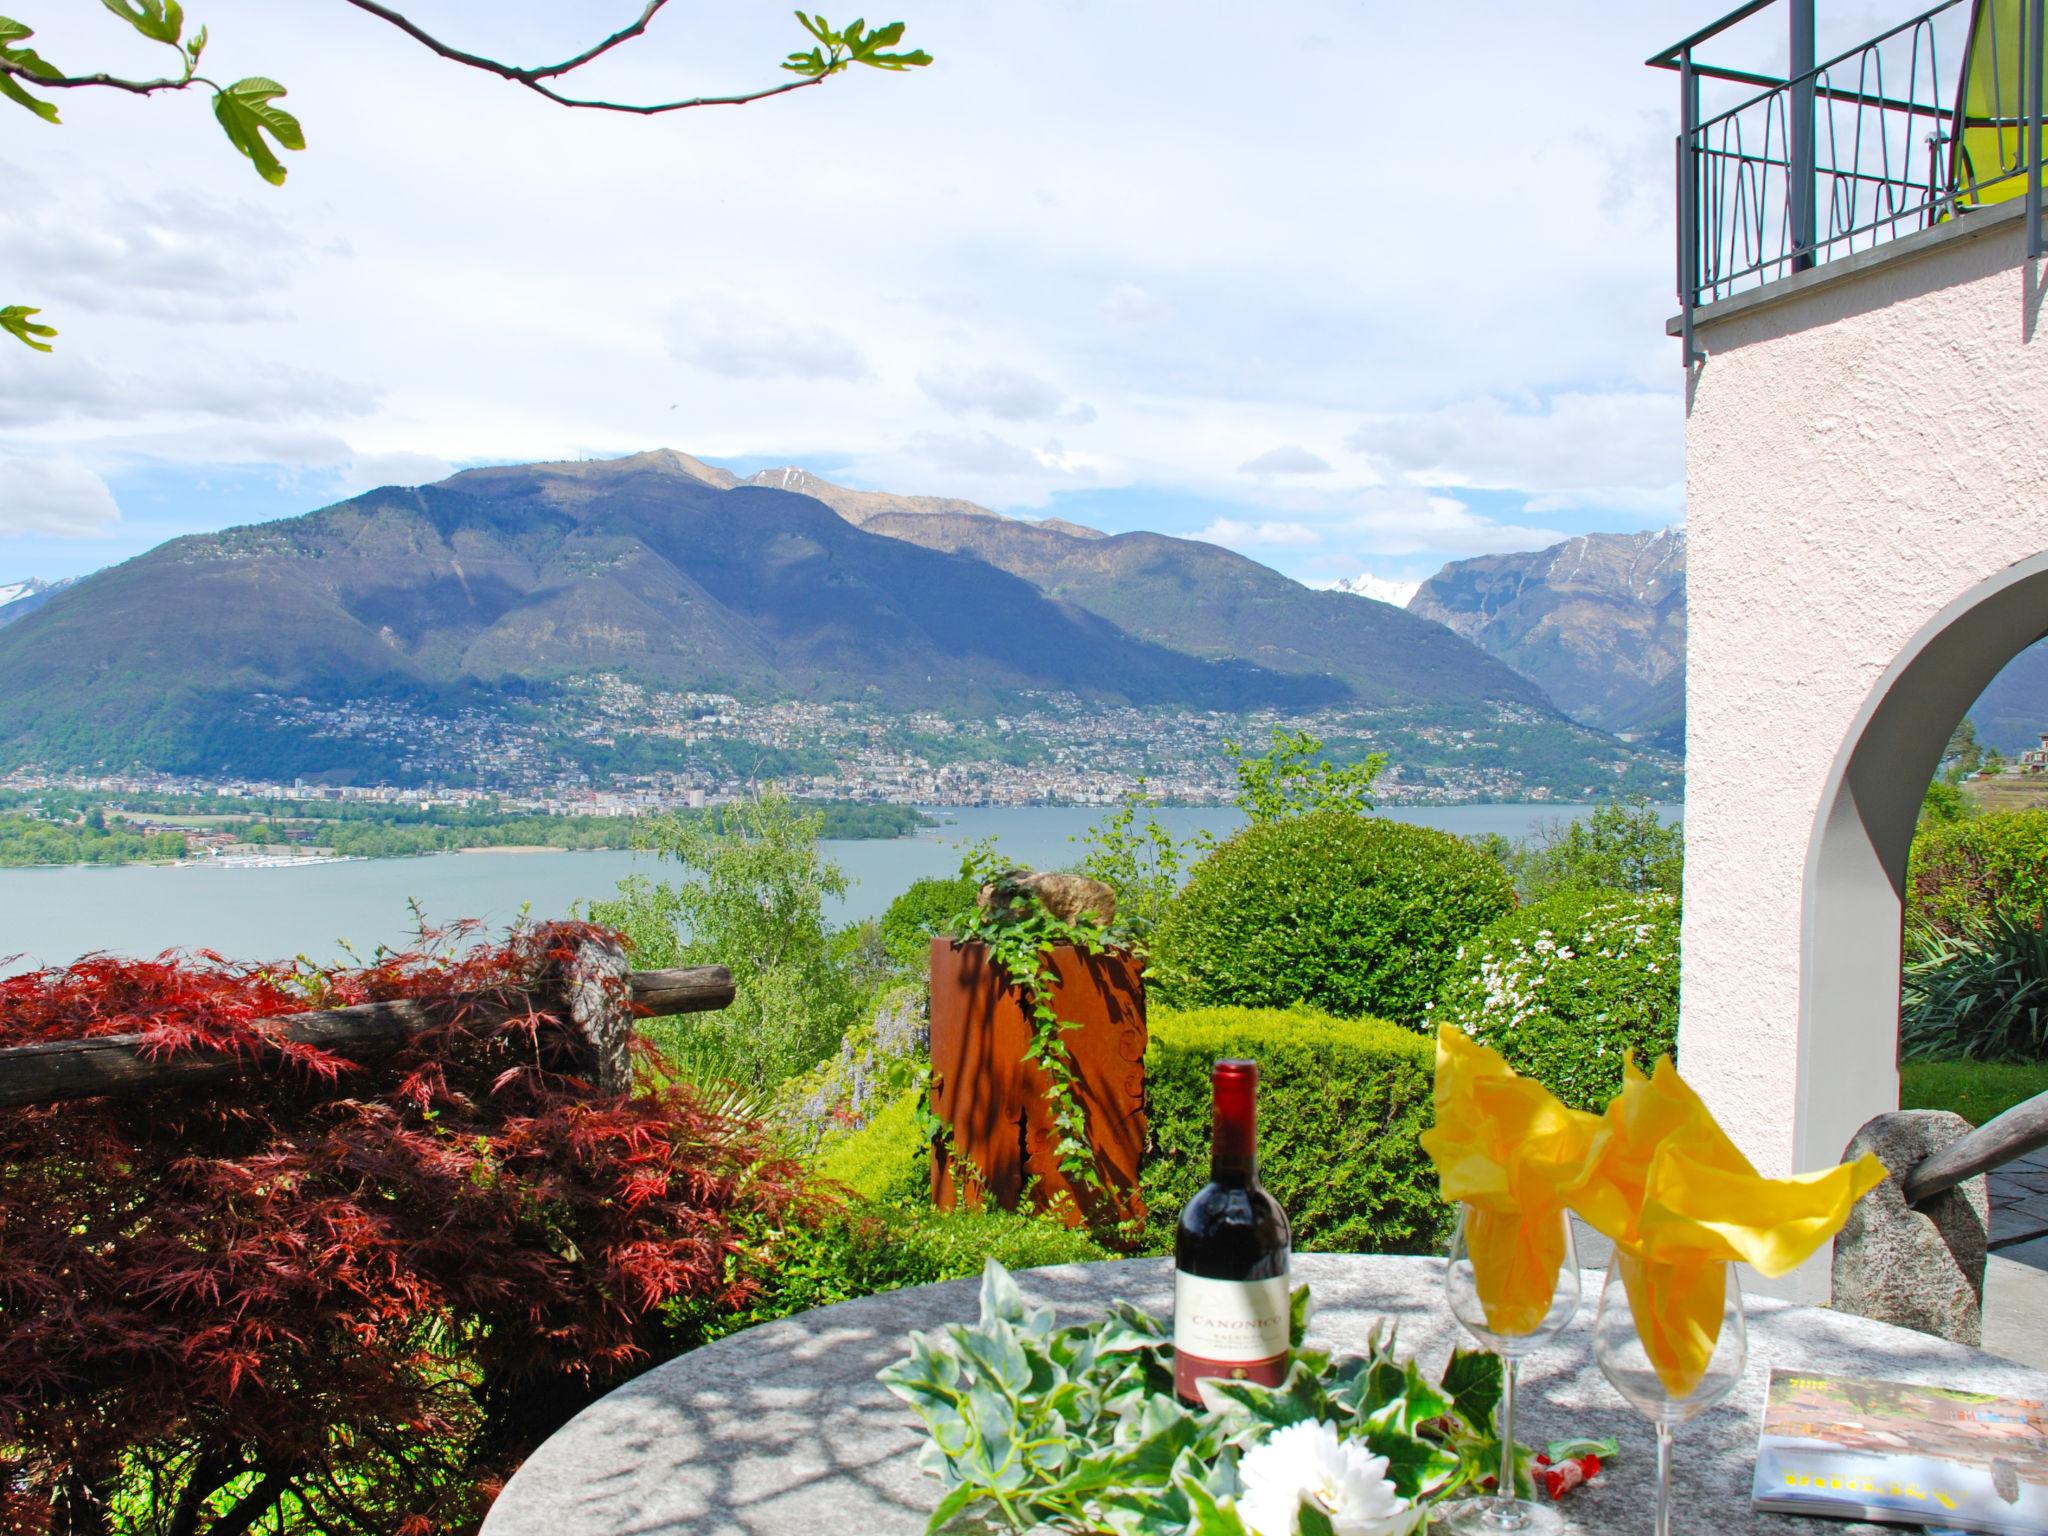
{"x":1230,"y":1308}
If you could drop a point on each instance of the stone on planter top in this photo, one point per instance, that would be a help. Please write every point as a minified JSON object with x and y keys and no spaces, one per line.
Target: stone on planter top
{"x":1064,"y":896}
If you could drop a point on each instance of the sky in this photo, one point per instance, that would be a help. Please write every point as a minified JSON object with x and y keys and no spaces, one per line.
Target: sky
{"x":1348,"y":286}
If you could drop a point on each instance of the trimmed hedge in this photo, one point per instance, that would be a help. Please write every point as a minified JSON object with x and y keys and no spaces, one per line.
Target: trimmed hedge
{"x":1342,"y":1103}
{"x":1353,"y":915}
{"x":1990,"y":864}
{"x":1566,"y":986}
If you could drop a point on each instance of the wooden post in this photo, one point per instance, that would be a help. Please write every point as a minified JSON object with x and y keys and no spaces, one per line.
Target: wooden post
{"x":599,"y":997}
{"x":119,"y":1066}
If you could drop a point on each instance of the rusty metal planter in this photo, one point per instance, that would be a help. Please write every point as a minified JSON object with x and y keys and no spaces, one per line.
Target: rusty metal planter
{"x":995,"y":1102}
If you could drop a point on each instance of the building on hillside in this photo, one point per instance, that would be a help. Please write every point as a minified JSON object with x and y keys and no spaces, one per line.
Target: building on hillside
{"x":2036,"y":760}
{"x":1866,"y":392}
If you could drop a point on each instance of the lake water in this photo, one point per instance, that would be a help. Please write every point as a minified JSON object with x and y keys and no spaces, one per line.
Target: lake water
{"x":52,"y":916}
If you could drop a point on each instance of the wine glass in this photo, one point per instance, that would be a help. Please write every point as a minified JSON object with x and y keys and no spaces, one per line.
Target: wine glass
{"x":1510,"y":1334}
{"x":1625,"y":1362}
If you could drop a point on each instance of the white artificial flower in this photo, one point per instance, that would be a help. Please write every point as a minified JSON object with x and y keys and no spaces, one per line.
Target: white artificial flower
{"x":1343,"y":1479}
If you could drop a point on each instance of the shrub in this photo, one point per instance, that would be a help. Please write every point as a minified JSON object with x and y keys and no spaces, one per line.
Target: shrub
{"x":1996,"y":862}
{"x":879,"y":1058}
{"x":1341,"y":1105}
{"x":913,"y":919}
{"x":869,"y":1249}
{"x":888,"y":1161}
{"x":357,"y":1301}
{"x":1564,"y":988}
{"x":1350,"y":914}
{"x":1980,"y":991}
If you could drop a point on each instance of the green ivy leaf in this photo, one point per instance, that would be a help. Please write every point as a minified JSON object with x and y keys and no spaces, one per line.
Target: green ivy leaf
{"x":161,"y":21}
{"x":14,"y":320}
{"x":246,"y":113}
{"x":1472,"y":1381}
{"x":1299,"y":1309}
{"x":1208,"y":1515}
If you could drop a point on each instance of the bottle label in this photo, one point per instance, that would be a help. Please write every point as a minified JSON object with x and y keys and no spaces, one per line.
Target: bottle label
{"x":1235,"y":1329}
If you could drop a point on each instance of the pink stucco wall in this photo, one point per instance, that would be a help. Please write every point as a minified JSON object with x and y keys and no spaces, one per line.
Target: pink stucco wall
{"x":1858,"y":456}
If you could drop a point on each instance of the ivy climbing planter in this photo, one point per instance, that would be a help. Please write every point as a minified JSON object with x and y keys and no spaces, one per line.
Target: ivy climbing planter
{"x":996,"y":1104}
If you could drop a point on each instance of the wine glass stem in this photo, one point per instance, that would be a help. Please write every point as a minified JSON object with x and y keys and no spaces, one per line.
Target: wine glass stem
{"x":1507,"y":1490}
{"x":1663,"y":1480}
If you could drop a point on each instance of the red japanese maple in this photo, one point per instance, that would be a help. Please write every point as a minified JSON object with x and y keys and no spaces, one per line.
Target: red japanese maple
{"x":356,"y":1294}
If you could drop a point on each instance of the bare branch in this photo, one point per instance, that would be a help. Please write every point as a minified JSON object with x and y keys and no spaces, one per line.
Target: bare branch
{"x":533,"y":77}
{"x":653,"y":109}
{"x":509,"y":71}
{"x":111,"y":82}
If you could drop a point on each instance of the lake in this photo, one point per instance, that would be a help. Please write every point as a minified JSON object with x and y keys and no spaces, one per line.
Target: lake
{"x":52,"y":916}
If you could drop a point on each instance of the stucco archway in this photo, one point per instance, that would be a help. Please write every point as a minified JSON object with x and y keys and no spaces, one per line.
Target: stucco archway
{"x":1853,"y":908}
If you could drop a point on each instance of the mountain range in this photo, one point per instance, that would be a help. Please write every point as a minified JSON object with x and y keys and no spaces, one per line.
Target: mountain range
{"x":1597,"y":621}
{"x":497,"y":584}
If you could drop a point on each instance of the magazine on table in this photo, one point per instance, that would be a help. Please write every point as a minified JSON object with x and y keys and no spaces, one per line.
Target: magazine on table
{"x":1896,"y":1451}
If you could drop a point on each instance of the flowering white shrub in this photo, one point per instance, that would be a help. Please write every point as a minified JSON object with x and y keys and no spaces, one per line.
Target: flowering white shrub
{"x":1564,"y":988}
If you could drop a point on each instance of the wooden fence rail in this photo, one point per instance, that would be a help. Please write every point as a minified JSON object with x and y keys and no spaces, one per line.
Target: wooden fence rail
{"x":118,"y":1066}
{"x":1997,"y":1141}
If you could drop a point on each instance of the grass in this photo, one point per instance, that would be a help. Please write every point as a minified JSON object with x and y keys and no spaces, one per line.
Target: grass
{"x":1976,"y":1090}
{"x":2008,"y":792}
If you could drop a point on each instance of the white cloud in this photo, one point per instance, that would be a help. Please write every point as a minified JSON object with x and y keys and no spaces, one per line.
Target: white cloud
{"x":1128,"y":304}
{"x":1418,"y":525}
{"x":1230,"y":532}
{"x":1572,"y":442}
{"x":1008,"y":394}
{"x":742,"y":339}
{"x":54,"y":496}
{"x":175,"y":255}
{"x":69,"y":386}
{"x":366,"y":471}
{"x":576,"y":283}
{"x":1290,"y":459}
{"x":979,"y":454}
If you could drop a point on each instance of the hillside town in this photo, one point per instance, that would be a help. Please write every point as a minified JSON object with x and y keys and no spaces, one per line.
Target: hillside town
{"x":613,"y":747}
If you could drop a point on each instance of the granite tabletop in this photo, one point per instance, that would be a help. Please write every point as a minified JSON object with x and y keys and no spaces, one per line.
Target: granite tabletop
{"x":783,"y":1430}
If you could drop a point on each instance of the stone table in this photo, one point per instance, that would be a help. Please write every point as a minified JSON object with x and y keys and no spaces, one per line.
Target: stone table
{"x":783,"y":1430}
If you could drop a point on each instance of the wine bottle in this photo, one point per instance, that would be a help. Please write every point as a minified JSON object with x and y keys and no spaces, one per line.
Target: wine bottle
{"x":1230,"y":1255}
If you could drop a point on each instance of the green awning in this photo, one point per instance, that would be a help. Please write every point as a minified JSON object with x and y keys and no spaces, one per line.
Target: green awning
{"x":1988,"y":139}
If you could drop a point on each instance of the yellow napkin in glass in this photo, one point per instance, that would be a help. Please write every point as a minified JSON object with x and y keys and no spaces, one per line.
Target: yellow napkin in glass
{"x":1681,"y":1202}
{"x":1505,"y":1147}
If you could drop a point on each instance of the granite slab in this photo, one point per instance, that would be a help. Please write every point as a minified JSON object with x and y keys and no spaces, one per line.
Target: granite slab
{"x":783,"y":1431}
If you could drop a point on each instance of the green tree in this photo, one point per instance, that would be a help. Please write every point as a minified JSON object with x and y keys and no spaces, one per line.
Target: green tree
{"x":1144,"y":864}
{"x":1963,"y":754}
{"x":1994,"y":763}
{"x":1944,"y":802}
{"x":258,"y":127}
{"x":1624,"y":846}
{"x":753,"y":900}
{"x":1292,"y":777}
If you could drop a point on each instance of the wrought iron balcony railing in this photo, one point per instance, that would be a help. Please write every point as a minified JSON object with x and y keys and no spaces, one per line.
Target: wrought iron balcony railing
{"x":1930,"y":121}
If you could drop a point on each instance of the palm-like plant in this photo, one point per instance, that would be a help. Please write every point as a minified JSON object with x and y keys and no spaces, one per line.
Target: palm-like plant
{"x":1980,"y":992}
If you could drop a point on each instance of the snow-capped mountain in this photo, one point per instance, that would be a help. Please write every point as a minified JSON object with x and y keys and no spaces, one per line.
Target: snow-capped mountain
{"x":18,"y":599}
{"x":1378,"y":588}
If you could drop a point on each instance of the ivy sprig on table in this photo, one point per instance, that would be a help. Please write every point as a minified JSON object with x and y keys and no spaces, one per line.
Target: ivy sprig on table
{"x":1077,"y":1429}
